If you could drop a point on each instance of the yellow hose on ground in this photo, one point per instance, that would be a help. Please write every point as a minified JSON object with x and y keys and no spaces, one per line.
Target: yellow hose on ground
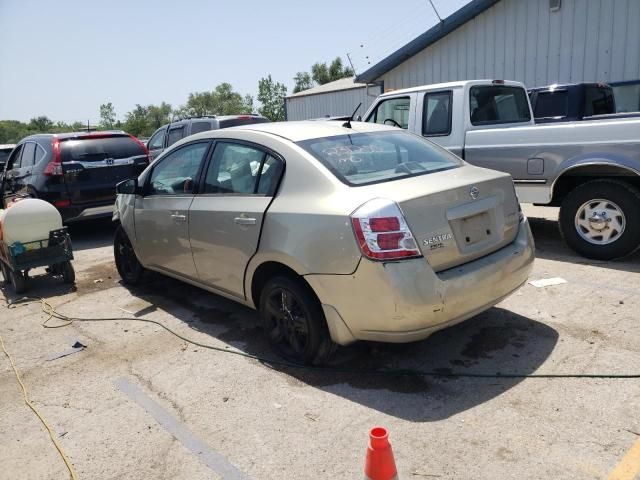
{"x":67,"y":462}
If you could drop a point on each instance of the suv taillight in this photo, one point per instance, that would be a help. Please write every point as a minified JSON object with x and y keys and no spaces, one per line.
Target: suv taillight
{"x":54,"y":167}
{"x":382,"y":232}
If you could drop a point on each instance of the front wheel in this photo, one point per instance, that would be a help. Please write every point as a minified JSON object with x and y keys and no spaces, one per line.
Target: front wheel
{"x":127,"y":263}
{"x":68,"y":273}
{"x":600,"y":219}
{"x":294,"y":322}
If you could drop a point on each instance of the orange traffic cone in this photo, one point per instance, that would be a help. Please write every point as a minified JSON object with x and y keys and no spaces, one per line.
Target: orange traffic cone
{"x":379,"y":464}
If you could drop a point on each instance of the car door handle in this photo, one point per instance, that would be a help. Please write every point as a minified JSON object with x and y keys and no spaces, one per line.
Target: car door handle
{"x":245,"y":221}
{"x":178,"y":218}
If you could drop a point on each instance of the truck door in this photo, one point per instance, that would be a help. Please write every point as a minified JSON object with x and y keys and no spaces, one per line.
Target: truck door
{"x":397,"y":111}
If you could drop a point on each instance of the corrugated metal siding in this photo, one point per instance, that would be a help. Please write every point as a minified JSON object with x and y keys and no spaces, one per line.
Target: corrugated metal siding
{"x":585,"y":41}
{"x":341,"y":102}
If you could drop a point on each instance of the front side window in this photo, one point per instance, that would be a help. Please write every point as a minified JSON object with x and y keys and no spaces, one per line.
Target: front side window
{"x":157,"y":141}
{"x":490,"y":105}
{"x":241,"y":169}
{"x":394,"y":111}
{"x":437,"y":114}
{"x":176,"y":174}
{"x":366,"y":158}
{"x":14,"y":158}
{"x":552,"y":104}
{"x":175,"y":134}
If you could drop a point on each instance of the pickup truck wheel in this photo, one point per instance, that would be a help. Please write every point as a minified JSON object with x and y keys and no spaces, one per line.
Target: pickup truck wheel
{"x":129,"y":267}
{"x":294,"y":322}
{"x":600,"y":220}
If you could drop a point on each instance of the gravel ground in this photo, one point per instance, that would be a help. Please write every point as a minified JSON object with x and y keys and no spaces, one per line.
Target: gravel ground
{"x":279,"y":423}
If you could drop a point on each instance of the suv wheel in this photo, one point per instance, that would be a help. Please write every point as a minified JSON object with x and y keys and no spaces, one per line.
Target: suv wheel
{"x":294,"y":322}
{"x":600,"y":220}
{"x":127,"y":263}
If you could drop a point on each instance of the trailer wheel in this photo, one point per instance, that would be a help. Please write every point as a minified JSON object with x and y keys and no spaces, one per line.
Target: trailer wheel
{"x":18,"y":281}
{"x":600,"y":220}
{"x":68,"y":273}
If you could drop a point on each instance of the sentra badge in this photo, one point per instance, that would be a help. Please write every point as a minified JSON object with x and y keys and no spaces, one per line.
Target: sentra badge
{"x":437,"y":240}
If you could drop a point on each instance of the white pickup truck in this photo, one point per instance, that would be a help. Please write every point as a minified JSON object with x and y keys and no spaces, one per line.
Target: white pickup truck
{"x":590,"y":169}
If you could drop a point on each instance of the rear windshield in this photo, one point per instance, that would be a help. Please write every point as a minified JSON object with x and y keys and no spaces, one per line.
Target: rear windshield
{"x":494,"y":104}
{"x":365,"y":158}
{"x":96,"y":149}
{"x":552,"y":104}
{"x":598,"y":101}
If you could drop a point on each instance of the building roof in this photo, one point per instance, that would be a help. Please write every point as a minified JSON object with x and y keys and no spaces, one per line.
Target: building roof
{"x":448,"y":25}
{"x":346,"y":83}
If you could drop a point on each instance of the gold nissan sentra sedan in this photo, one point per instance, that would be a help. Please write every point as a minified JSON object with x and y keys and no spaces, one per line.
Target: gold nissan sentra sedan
{"x":334,"y":231}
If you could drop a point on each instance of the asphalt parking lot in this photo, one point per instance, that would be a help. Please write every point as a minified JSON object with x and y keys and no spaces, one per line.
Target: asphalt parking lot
{"x":139,"y":402}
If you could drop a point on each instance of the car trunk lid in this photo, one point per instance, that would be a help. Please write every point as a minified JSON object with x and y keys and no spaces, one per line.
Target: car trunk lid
{"x":456,"y":216}
{"x":93,"y":164}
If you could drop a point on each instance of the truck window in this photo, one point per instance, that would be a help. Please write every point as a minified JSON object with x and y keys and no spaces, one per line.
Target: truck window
{"x":492,"y":105}
{"x":394,"y":111}
{"x":552,"y":104}
{"x":436,"y":114}
{"x":598,"y":101}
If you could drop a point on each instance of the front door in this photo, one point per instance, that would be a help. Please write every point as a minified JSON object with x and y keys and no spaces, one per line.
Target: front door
{"x":162,"y":213}
{"x":226,"y":217}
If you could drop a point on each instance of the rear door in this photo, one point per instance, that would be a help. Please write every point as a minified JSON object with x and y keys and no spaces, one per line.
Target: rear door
{"x":162,"y":213}
{"x":93,"y":164}
{"x":226,"y":218}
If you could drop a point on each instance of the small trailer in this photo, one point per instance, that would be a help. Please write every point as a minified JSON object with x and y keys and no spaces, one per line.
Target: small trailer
{"x":54,"y":252}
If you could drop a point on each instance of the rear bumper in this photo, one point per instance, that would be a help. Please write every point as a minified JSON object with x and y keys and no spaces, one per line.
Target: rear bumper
{"x":406,"y":301}
{"x":78,"y":213}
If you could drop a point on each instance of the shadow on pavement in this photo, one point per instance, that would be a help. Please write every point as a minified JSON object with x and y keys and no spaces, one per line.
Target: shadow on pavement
{"x":497,"y":341}
{"x":551,"y":246}
{"x":91,"y":233}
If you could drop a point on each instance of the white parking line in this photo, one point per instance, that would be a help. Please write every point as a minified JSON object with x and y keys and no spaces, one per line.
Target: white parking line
{"x":210,"y":458}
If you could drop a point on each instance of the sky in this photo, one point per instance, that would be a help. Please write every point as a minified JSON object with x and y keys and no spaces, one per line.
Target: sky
{"x":64,"y":58}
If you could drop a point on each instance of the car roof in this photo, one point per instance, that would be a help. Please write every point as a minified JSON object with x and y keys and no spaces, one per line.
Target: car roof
{"x":65,"y":135}
{"x":308,"y":129}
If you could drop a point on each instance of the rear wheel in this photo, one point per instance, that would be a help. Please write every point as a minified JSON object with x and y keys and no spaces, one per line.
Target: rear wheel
{"x":18,"y":281}
{"x":294,"y":322}
{"x":600,"y":219}
{"x":129,"y":268}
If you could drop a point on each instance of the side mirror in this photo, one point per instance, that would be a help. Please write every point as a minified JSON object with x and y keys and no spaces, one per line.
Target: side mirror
{"x":128,"y":187}
{"x":359,"y":118}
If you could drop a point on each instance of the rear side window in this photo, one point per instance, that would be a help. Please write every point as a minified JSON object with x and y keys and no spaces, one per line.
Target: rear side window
{"x":366,"y":158}
{"x":239,"y":169}
{"x":394,"y":111}
{"x":197,"y":127}
{"x":552,"y":104}
{"x":28,"y":154}
{"x":175,"y":134}
{"x":97,"y":149}
{"x":598,"y":101}
{"x":491,"y":105}
{"x":437,"y":114}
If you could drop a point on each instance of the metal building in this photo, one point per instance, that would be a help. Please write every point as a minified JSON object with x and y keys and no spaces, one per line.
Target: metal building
{"x":335,"y":98}
{"x":538,"y":42}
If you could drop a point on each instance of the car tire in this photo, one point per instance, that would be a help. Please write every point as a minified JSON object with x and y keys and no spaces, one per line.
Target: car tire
{"x":18,"y":281}
{"x":68,"y":273}
{"x":600,"y":220}
{"x":129,"y":267}
{"x":294,"y":323}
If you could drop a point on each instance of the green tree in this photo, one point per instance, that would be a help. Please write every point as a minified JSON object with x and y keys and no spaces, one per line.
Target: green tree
{"x":223,"y":100}
{"x":303,"y":81}
{"x":107,"y":116}
{"x":40,"y":124}
{"x":158,"y":115}
{"x":322,"y":73}
{"x":136,"y":121}
{"x":271,"y":96}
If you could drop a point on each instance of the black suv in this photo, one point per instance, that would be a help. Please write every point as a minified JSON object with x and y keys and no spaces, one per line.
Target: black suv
{"x":76,"y":172}
{"x":169,"y":134}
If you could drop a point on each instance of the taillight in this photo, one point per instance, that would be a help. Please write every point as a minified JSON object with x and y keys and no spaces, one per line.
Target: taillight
{"x":144,"y":147}
{"x":54,"y":167}
{"x":382,"y":232}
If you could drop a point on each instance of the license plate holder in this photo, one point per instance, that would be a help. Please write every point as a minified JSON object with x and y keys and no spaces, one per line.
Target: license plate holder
{"x":476,"y":228}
